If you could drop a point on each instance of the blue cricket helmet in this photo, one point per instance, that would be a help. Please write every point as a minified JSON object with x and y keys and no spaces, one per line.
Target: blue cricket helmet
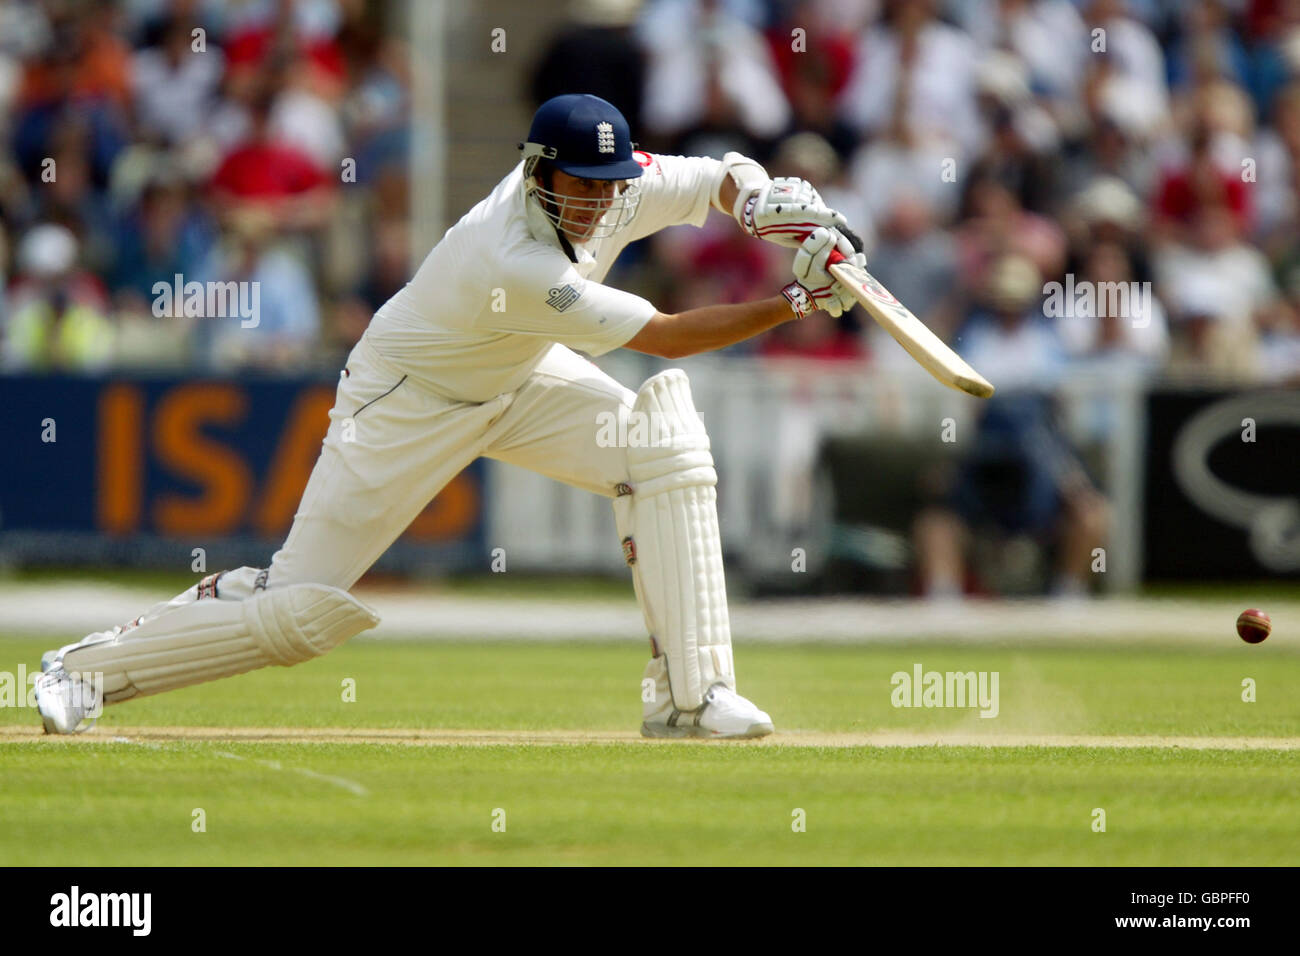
{"x":584,"y":136}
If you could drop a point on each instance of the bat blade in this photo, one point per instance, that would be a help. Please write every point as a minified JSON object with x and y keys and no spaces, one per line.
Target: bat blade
{"x":910,"y":332}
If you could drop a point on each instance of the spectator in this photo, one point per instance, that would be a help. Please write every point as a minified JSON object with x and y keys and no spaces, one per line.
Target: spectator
{"x":274,"y":175}
{"x":79,"y":82}
{"x":58,"y":312}
{"x":1048,"y":36}
{"x":1107,"y":212}
{"x":906,"y":155}
{"x":1269,"y":25}
{"x":1116,"y":337}
{"x":913,"y":70}
{"x":1207,"y":46}
{"x":1225,"y":113}
{"x":995,"y":224}
{"x":1023,"y":138}
{"x":595,"y":53}
{"x":710,"y":80}
{"x":175,"y":86}
{"x":1009,"y":339}
{"x":147,"y":21}
{"x":304,"y":114}
{"x":231,"y":119}
{"x":379,"y":100}
{"x":1214,"y":338}
{"x":1223,"y":289}
{"x":1127,"y":73}
{"x":71,"y":198}
{"x":164,"y":235}
{"x":898,"y":161}
{"x":1279,"y":346}
{"x":25,"y":30}
{"x":1110,"y":148}
{"x":92,"y":61}
{"x":1130,"y":45}
{"x":286,"y":319}
{"x":1121,"y":323}
{"x":1277,"y":149}
{"x":813,"y":48}
{"x":1050,"y":139}
{"x":1020,"y":480}
{"x":263,"y":32}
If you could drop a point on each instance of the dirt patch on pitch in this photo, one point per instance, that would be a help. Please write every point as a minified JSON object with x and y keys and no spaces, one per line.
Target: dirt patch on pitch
{"x":496,"y":738}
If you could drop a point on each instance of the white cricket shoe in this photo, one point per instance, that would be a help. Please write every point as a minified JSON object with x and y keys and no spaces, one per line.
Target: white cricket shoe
{"x":65,"y":700}
{"x":724,"y":714}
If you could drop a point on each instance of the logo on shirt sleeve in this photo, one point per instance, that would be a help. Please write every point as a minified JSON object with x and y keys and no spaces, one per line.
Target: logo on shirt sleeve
{"x":561,"y":297}
{"x":646,"y":161}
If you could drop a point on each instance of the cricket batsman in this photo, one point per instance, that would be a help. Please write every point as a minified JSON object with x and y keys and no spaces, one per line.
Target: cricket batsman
{"x":478,"y":356}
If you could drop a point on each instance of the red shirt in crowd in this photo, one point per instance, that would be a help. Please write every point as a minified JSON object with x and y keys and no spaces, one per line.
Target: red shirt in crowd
{"x":267,"y":171}
{"x":1181,"y":195}
{"x":252,"y":47}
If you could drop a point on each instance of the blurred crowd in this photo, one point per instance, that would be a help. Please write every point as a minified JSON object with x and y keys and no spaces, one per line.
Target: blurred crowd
{"x":1102,"y":190}
{"x":215,"y":141}
{"x":986,"y":149}
{"x":1060,"y":188}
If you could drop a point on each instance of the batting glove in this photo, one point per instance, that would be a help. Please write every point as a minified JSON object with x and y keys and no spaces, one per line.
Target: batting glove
{"x":814,"y":287}
{"x":786,"y":210}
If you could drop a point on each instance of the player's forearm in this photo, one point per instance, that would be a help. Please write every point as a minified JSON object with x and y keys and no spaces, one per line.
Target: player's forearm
{"x":727,"y":194}
{"x":711,"y":327}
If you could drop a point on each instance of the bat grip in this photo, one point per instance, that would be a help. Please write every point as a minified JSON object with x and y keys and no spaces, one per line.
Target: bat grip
{"x":837,"y":256}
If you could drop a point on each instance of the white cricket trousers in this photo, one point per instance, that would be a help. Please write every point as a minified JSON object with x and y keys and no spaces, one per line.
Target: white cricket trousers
{"x":406,"y":443}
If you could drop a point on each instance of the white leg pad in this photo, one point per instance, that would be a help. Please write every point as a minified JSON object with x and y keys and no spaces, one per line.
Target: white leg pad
{"x":668,"y":523}
{"x":202,"y":635}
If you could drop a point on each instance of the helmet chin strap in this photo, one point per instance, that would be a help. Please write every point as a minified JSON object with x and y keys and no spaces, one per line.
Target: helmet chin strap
{"x":546,"y":176}
{"x":549,"y":184}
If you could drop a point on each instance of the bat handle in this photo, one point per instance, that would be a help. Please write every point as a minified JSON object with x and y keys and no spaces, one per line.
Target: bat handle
{"x":836,"y":255}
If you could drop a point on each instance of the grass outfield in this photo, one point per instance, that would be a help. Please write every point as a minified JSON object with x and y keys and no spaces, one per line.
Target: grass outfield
{"x":407,"y":774}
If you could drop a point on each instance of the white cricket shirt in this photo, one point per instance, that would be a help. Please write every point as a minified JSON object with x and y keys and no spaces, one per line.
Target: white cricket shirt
{"x":498,"y":290}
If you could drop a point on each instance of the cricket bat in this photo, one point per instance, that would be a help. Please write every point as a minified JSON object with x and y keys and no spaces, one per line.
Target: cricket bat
{"x":909,"y":331}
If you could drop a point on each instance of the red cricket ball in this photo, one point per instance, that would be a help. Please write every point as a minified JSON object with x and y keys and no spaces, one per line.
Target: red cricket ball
{"x":1253,"y":625}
